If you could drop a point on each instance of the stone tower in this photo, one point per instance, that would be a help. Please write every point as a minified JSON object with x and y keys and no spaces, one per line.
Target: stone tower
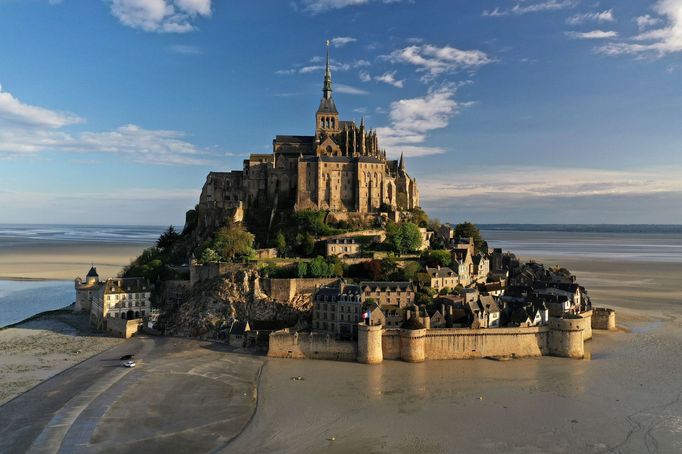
{"x":369,"y":344}
{"x":412,"y":340}
{"x":566,"y":337}
{"x":327,"y":117}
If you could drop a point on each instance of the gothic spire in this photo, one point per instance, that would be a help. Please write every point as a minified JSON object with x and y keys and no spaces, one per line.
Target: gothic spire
{"x":401,"y":164}
{"x":327,"y":87}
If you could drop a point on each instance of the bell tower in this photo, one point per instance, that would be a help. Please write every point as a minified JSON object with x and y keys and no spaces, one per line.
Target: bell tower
{"x":327,"y":117}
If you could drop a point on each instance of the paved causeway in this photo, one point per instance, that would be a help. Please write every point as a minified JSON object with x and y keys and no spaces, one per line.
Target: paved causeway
{"x":184,"y":395}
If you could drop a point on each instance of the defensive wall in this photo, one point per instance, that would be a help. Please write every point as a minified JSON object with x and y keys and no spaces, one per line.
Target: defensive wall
{"x":120,"y":327}
{"x":603,"y":318}
{"x":285,"y":344}
{"x":206,"y":271}
{"x":561,"y":337}
{"x":284,"y":290}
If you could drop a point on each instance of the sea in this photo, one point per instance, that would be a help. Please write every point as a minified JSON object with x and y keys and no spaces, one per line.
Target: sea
{"x":21,"y":299}
{"x":651,"y":244}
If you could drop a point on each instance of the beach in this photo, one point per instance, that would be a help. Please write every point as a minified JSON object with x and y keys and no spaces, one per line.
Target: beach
{"x":38,"y":349}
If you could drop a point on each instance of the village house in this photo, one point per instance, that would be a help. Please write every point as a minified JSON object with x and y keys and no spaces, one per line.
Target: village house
{"x":442,"y":278}
{"x":483,"y":312}
{"x":481,"y":267}
{"x":343,"y":247}
{"x":388,"y":293}
{"x":123,"y":298}
{"x":237,"y":333}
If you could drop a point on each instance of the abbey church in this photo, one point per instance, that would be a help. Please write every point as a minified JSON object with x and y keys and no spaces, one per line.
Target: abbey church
{"x":341,"y":169}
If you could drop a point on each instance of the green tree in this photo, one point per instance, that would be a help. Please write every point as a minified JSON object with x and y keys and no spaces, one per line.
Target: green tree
{"x":234,"y":242}
{"x":209,"y":255}
{"x":411,"y":270}
{"x":302,"y":269}
{"x":318,"y":267}
{"x":469,"y":230}
{"x":281,"y":244}
{"x":167,"y":238}
{"x":403,"y":237}
{"x":438,"y":257}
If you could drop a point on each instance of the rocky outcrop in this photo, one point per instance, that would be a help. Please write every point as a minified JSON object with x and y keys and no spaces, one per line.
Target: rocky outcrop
{"x":213,"y":305}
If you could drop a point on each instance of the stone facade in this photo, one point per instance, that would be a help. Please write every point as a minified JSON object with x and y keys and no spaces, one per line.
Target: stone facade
{"x":341,"y":168}
{"x":563,"y":337}
{"x":124,"y":298}
{"x":603,"y":318}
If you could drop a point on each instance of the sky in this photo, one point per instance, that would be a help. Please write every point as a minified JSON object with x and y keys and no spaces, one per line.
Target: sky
{"x":528,"y":111}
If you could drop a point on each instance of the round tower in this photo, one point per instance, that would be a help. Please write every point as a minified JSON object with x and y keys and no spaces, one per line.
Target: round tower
{"x":412,"y":339}
{"x":566,"y":337}
{"x":369,"y":344}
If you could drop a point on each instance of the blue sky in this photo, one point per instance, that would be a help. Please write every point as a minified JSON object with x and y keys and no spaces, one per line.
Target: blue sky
{"x":561,"y":111}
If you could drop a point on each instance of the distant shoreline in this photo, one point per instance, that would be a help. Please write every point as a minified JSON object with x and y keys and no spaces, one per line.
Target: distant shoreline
{"x":64,"y":310}
{"x":32,"y":279}
{"x":585,"y":228}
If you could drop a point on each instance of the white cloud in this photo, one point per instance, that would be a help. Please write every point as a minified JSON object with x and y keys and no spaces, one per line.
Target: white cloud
{"x":347,"y":89}
{"x":139,"y":144}
{"x":436,"y":60}
{"x":161,"y":16}
{"x":603,"y":16}
{"x":658,"y":41}
{"x":411,"y":120}
{"x":527,"y":7}
{"x":322,"y":6}
{"x":341,"y":41}
{"x":389,"y":78}
{"x":27,"y":129}
{"x":646,"y":21}
{"x":15,"y":112}
{"x":594,"y":34}
{"x":546,"y":182}
{"x":318,"y":66}
{"x":184,"y":49}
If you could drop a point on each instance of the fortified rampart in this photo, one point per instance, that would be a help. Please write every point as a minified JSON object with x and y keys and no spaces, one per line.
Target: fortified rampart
{"x":562,"y":337}
{"x":284,"y":290}
{"x":603,"y":318}
{"x":284,"y":344}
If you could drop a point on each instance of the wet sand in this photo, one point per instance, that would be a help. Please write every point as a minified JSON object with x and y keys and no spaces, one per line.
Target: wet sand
{"x":626,"y":399}
{"x":65,"y":261}
{"x":34,"y":351}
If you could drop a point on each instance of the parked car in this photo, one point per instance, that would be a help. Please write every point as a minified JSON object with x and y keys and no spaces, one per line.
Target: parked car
{"x":129,"y":364}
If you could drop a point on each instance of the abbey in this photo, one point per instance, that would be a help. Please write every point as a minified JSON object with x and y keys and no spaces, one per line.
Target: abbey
{"x":341,"y":169}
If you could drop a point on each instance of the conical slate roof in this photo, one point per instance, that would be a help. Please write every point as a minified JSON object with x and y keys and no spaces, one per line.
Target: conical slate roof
{"x":92,"y":272}
{"x":412,"y":323}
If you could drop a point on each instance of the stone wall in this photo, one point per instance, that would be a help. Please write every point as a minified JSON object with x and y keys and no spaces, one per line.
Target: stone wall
{"x":284,"y":290}
{"x":206,"y":271}
{"x":284,"y":344}
{"x":390,"y":343}
{"x":603,"y":318}
{"x":586,"y":324}
{"x":120,"y":327}
{"x":457,"y":343}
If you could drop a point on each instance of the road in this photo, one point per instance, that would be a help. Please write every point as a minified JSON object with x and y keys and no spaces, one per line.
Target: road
{"x":184,"y":395}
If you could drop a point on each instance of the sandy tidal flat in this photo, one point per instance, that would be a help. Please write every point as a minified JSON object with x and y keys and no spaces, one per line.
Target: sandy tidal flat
{"x":36,"y":350}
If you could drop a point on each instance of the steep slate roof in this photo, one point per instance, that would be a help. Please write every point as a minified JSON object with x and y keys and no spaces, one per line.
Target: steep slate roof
{"x":327,"y":105}
{"x":403,"y":286}
{"x":440,"y":272}
{"x":92,"y":272}
{"x":126,"y":285}
{"x":239,"y":328}
{"x":294,"y":139}
{"x":412,"y":323}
